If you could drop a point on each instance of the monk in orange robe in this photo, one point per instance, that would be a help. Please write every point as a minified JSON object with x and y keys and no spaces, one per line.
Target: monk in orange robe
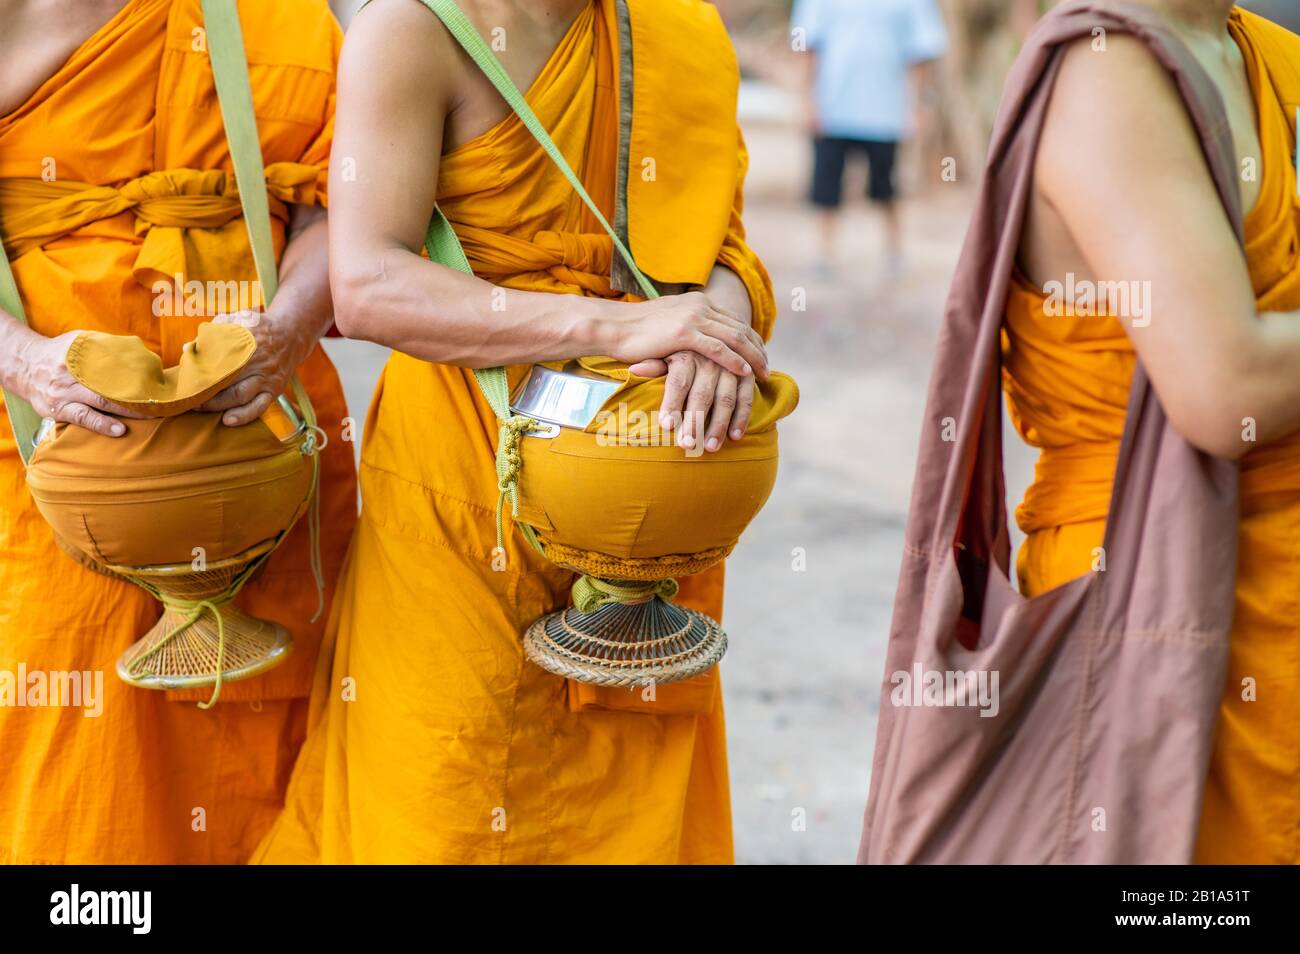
{"x":114,"y":176}
{"x":1219,"y":335}
{"x":432,"y":738}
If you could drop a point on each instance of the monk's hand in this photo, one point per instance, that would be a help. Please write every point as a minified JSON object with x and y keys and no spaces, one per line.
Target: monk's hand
{"x":673,"y":324}
{"x":53,"y":392}
{"x":703,"y":402}
{"x":282,"y":345}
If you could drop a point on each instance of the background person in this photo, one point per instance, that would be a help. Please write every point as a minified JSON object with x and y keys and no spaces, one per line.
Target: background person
{"x":867,"y":70}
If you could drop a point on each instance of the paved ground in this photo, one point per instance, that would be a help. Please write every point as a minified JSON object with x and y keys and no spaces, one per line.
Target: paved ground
{"x":803,"y":674}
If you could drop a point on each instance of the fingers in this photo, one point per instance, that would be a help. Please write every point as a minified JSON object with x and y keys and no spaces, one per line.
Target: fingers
{"x":744,"y":407}
{"x":237,"y":395}
{"x":708,"y":346}
{"x":732,"y":344}
{"x":80,"y":394}
{"x":681,"y":373}
{"x":724,"y":405}
{"x":698,"y":402}
{"x":239,"y":416}
{"x":749,"y":343}
{"x":650,"y":368}
{"x":248,"y":318}
{"x":81,"y":415}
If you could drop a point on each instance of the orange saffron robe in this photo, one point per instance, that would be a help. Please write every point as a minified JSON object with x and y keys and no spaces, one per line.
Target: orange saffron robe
{"x":433,"y":739}
{"x":1067,"y":385}
{"x":152,"y":778}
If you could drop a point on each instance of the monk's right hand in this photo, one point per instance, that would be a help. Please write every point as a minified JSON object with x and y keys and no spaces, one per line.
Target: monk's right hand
{"x":665,"y":326}
{"x":52,"y":391}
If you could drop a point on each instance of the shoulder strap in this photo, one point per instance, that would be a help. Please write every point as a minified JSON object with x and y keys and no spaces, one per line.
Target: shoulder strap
{"x":441,"y":242}
{"x":23,"y":418}
{"x":235,"y":94}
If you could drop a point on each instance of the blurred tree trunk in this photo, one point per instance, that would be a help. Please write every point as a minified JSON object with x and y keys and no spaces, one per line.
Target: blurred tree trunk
{"x":985,"y":37}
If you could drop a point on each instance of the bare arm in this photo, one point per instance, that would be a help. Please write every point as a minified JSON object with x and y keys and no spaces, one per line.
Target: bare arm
{"x":812,"y":115}
{"x":391,"y":122}
{"x":1121,"y":165}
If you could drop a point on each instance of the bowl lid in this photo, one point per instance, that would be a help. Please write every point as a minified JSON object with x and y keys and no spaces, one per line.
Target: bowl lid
{"x":121,"y":368}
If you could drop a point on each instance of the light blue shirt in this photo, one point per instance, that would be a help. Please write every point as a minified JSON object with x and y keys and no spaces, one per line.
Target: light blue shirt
{"x":864,"y":49}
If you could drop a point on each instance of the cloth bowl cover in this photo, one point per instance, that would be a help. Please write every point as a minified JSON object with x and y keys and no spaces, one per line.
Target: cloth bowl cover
{"x":615,"y":502}
{"x":169,"y":485}
{"x":123,"y":369}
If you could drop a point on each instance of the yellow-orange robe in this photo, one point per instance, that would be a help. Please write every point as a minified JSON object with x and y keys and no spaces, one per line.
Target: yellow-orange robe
{"x":1067,"y":383}
{"x":433,"y":739}
{"x":154,"y":779}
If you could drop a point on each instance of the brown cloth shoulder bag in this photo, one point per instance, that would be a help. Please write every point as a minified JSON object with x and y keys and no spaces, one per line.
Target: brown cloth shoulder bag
{"x":1108,"y":685}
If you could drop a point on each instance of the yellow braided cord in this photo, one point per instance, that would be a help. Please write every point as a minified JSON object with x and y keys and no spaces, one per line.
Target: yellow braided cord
{"x":221,"y":653}
{"x":591,"y":593}
{"x":316,"y":441}
{"x":509,"y":462}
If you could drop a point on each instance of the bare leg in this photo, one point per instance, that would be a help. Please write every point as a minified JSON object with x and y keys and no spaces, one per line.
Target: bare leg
{"x":893,"y":234}
{"x":827,"y":222}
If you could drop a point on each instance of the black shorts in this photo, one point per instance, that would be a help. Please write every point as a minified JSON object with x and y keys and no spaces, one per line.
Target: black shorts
{"x":829,"y":154}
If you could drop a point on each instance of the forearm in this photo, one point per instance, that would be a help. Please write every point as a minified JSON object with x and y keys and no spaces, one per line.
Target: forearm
{"x":438,"y":314}
{"x":727,"y":291}
{"x":1264,"y":384}
{"x":808,"y":79}
{"x":920,"y":77}
{"x":304,"y":296}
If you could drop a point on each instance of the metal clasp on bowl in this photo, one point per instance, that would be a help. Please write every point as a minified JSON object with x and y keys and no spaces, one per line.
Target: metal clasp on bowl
{"x":568,"y":398}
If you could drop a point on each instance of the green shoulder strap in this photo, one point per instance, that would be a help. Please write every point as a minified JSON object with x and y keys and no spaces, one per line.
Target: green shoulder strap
{"x":235,"y":95}
{"x":23,"y":418}
{"x":441,"y":242}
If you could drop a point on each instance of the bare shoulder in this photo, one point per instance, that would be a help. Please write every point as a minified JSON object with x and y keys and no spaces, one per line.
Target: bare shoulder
{"x":401,"y":44}
{"x":404,"y":28}
{"x":1117,"y":79}
{"x":1107,"y":103}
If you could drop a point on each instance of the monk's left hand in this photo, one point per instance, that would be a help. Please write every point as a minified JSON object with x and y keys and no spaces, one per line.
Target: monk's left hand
{"x":702,"y":401}
{"x":281,"y":348}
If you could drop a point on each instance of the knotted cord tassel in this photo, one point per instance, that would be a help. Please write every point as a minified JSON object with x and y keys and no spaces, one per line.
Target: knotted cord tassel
{"x":509,"y":462}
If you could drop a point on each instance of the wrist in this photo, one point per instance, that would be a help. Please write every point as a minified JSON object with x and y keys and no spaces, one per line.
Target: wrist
{"x":728,"y":291}
{"x":15,"y":372}
{"x":300,"y":330}
{"x":595,"y":327}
